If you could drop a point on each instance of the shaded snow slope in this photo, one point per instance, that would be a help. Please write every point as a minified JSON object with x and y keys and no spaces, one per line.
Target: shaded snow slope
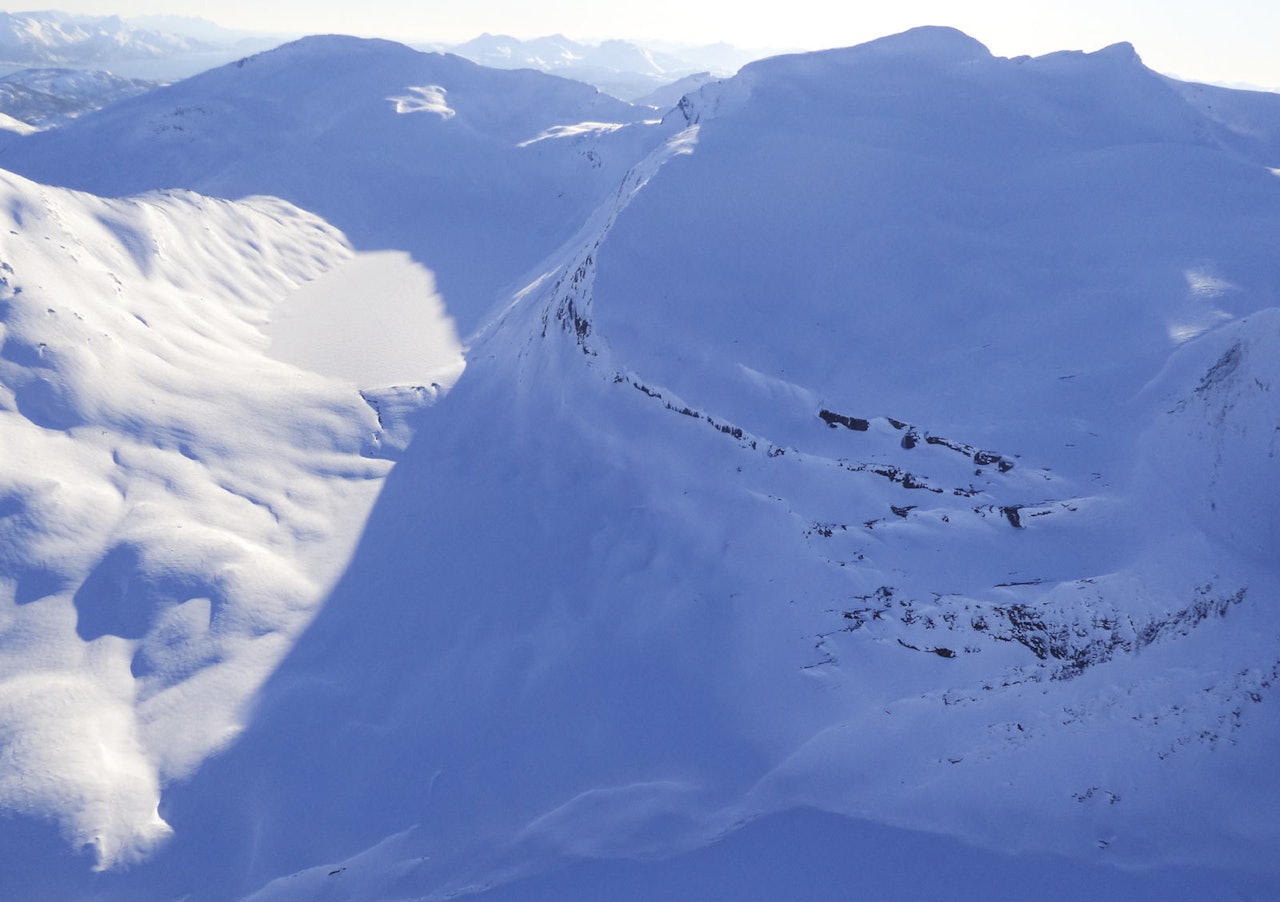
{"x":419,"y":152}
{"x":895,"y":443}
{"x":173,"y":502}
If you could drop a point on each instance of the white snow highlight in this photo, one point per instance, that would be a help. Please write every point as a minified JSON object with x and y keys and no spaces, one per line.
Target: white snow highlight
{"x":376,"y":320}
{"x":173,"y":503}
{"x":426,"y":99}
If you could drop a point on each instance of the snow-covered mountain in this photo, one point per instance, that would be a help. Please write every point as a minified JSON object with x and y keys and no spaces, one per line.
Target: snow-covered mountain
{"x":424,"y":152}
{"x":861,"y":480}
{"x":175,"y":502}
{"x":50,"y":38}
{"x":155,"y":48}
{"x":51,"y":96}
{"x":621,"y":68}
{"x":667,"y":96}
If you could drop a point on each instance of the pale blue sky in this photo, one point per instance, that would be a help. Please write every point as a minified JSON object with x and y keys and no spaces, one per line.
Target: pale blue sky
{"x":1228,"y":40}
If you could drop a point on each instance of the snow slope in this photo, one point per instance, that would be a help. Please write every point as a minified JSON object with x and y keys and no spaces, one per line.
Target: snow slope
{"x":173,"y":502}
{"x":418,"y":152}
{"x":15,"y":126}
{"x":890,"y":457}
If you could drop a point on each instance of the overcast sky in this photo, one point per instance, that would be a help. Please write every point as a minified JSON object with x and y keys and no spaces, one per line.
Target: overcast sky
{"x":1226,"y":40}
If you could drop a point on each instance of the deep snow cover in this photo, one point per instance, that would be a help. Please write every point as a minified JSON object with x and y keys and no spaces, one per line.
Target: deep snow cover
{"x":882,"y":456}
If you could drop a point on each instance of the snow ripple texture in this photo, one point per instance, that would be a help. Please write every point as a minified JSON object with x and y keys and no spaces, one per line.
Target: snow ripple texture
{"x":172,"y":501}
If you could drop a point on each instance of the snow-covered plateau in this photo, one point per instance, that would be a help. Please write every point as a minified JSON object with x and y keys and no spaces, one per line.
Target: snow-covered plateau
{"x":860,"y":483}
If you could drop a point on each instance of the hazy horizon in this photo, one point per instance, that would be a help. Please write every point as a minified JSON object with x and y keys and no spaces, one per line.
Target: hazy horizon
{"x":1231,"y":44}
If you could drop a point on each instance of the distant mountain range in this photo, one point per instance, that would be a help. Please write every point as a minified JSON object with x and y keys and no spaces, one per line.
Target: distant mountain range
{"x":618,"y":67}
{"x":159,"y":48}
{"x":165,"y":48}
{"x":53,"y":38}
{"x":49,"y":96}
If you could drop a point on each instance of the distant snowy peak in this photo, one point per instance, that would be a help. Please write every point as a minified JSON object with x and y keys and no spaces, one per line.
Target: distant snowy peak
{"x":668,"y":96}
{"x":196,"y":28}
{"x":49,"y":38}
{"x":929,"y":43}
{"x":621,"y":68}
{"x":556,"y":53}
{"x":507,"y":52}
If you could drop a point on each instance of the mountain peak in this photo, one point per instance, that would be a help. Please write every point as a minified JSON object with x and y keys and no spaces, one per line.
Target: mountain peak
{"x":1121,"y":53}
{"x":937,"y":41}
{"x":1120,"y":50}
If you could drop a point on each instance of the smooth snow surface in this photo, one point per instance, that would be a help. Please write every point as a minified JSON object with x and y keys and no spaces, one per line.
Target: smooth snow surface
{"x":374,"y":321}
{"x":875,"y":475}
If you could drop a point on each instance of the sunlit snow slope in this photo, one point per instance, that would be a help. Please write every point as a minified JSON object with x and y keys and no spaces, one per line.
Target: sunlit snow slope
{"x":173,"y":502}
{"x":888,"y":464}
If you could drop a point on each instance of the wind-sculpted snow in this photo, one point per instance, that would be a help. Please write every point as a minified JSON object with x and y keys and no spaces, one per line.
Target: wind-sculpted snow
{"x":895,"y":440}
{"x":173,"y":503}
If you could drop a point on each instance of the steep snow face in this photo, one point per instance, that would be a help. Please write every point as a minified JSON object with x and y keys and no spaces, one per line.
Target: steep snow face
{"x":173,"y":502}
{"x":1221,"y":438}
{"x":418,"y":152}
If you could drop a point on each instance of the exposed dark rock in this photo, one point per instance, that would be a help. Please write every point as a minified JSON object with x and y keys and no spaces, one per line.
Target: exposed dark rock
{"x":833,"y":419}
